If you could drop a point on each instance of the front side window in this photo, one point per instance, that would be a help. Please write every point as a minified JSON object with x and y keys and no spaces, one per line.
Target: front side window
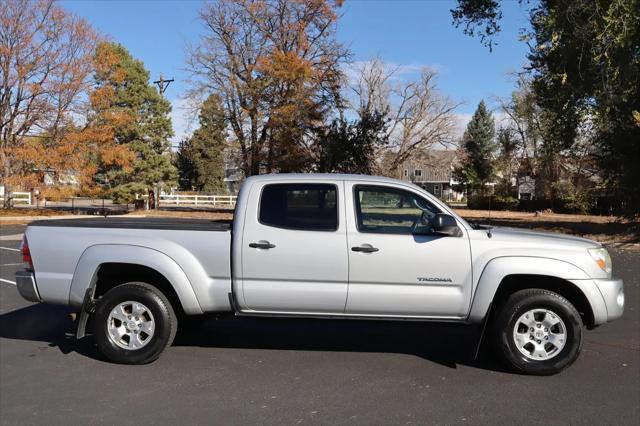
{"x":311,"y":207}
{"x":392,"y":211}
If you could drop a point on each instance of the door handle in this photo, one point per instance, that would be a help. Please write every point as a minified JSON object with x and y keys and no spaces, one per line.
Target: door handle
{"x":262,"y":245}
{"x":365,"y":249}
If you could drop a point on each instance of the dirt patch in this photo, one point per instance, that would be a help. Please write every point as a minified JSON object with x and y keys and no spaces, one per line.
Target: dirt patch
{"x":608,"y":230}
{"x":532,"y":217}
{"x":31,"y":212}
{"x":26,"y":215}
{"x":193,"y":214}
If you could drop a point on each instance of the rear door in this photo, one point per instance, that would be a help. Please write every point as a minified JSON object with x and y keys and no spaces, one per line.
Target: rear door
{"x":397,"y":267}
{"x":294,"y":248}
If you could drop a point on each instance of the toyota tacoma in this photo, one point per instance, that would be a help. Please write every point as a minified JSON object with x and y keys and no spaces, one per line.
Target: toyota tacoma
{"x":324,"y":246}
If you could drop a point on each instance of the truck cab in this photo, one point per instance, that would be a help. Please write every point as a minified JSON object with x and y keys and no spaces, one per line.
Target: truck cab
{"x":356,"y":246}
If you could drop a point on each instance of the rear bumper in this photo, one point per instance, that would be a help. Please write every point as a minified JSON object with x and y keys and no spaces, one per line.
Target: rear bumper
{"x":612,"y":291}
{"x":26,"y":283}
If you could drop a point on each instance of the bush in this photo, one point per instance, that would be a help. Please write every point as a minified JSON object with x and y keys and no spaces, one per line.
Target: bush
{"x":499,"y":202}
{"x":126,"y":193}
{"x":580,"y":202}
{"x":57,"y":193}
{"x":572,"y":199}
{"x":93,"y":192}
{"x":505,"y":202}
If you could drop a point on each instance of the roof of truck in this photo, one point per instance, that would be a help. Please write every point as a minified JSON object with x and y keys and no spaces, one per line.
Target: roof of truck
{"x":289,"y":177}
{"x":324,"y":176}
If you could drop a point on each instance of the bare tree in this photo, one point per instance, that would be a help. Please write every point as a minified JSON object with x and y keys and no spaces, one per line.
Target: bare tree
{"x":524,"y":124}
{"x":538,"y":154}
{"x":45,"y":65}
{"x":523,"y":119}
{"x":419,"y":115}
{"x":275,"y":65}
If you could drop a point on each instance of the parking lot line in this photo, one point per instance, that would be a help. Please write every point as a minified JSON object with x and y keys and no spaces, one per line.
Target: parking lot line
{"x":7,"y":281}
{"x":8,"y":248}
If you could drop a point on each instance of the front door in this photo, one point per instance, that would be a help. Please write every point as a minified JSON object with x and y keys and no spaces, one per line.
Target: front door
{"x":397,"y":266}
{"x":294,"y":249}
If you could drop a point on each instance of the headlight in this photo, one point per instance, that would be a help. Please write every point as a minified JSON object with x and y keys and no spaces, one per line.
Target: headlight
{"x":602,"y":258}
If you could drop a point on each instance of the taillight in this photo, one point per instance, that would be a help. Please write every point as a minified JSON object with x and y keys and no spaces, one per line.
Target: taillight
{"x":26,"y":253}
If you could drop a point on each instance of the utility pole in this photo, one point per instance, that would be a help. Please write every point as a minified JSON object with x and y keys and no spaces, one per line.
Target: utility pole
{"x":154,"y":194}
{"x":162,"y":84}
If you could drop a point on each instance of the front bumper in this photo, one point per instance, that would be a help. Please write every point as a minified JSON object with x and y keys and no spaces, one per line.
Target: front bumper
{"x":612,"y":291}
{"x":26,"y":283}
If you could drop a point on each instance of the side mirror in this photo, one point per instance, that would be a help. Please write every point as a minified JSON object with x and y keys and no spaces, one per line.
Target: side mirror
{"x":445,"y":224}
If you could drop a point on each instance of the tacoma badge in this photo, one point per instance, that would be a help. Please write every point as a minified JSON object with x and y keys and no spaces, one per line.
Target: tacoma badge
{"x":434,"y":280}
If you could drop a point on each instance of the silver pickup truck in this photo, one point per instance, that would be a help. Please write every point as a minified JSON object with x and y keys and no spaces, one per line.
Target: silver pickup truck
{"x":326,"y":246}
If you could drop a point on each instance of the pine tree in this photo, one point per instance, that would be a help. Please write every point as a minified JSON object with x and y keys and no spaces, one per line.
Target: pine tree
{"x":185,"y":165}
{"x":200,"y":158}
{"x":146,"y":134}
{"x":478,"y":148}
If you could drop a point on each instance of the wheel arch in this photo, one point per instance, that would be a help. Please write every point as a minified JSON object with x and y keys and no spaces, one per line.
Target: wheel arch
{"x":112,"y":274}
{"x":515,"y":282}
{"x":102,"y":267}
{"x":506,"y":275}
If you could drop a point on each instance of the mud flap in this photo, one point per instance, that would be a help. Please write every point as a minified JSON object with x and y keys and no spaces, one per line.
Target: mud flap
{"x":88,"y":308}
{"x":482,"y":333}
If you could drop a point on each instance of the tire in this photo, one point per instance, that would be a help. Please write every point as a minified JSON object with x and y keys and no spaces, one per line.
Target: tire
{"x":134,"y":323}
{"x":537,"y":332}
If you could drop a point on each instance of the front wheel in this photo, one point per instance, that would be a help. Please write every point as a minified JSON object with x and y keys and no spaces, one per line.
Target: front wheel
{"x":538,"y":332}
{"x":134,"y":323}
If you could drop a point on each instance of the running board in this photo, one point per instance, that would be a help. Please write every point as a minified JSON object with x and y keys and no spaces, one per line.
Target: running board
{"x":246,"y":313}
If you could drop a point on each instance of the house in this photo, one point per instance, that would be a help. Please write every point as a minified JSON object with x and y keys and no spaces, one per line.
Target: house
{"x":526,"y":186}
{"x":565,"y":171}
{"x":433,"y":171}
{"x":233,"y":178}
{"x":50,"y":177}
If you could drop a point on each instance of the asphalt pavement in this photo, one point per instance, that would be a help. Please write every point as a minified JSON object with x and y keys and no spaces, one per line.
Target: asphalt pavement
{"x":287,"y":371}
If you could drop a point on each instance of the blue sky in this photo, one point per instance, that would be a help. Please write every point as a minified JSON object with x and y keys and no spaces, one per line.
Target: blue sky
{"x":406,"y":33}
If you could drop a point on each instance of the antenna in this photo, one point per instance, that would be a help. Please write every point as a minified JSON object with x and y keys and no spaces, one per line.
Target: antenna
{"x":163,"y":84}
{"x":489,"y":219}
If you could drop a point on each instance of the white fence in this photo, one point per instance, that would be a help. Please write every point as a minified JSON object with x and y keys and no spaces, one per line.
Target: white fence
{"x":20,"y":198}
{"x":198,"y":200}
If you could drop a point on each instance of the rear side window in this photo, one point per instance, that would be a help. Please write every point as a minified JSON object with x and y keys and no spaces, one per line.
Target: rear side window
{"x":311,"y":207}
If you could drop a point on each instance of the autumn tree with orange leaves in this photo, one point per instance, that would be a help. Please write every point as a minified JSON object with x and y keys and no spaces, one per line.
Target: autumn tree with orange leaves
{"x":94,"y":146}
{"x":46,"y":65}
{"x":275,"y":64}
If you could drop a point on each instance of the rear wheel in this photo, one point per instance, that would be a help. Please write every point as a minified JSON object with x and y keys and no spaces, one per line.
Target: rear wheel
{"x":538,"y":332}
{"x":134,"y":323}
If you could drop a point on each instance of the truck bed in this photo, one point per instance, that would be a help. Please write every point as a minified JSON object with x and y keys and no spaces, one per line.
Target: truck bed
{"x":115,"y":222}
{"x":194,"y":254}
